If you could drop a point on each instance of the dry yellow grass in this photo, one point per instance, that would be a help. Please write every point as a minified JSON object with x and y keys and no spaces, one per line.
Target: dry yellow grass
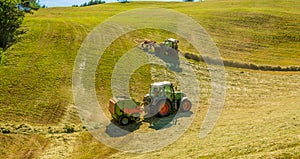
{"x":261,"y":115}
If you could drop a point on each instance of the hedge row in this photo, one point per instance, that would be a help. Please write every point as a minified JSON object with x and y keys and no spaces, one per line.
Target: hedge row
{"x":213,"y":61}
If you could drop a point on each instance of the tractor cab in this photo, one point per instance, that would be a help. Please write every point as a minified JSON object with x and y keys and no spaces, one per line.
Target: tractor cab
{"x":162,"y":89}
{"x":172,"y":43}
{"x":163,"y":99}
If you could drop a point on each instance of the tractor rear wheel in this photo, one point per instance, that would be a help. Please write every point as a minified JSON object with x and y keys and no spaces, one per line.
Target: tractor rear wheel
{"x":185,"y":105}
{"x":164,"y":108}
{"x":124,"y":120}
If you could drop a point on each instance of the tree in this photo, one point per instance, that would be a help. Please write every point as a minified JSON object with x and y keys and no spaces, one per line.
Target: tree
{"x":12,"y":13}
{"x":123,"y":1}
{"x":91,"y":2}
{"x":97,"y":2}
{"x":44,"y":6}
{"x":84,"y":4}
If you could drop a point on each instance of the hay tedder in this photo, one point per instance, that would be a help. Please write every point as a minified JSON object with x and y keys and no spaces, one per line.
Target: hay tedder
{"x":161,"y":101}
{"x":168,"y":47}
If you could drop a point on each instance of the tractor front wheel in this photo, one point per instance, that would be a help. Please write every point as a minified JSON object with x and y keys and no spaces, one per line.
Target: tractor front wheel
{"x":124,"y":120}
{"x":164,"y":108}
{"x":185,"y":105}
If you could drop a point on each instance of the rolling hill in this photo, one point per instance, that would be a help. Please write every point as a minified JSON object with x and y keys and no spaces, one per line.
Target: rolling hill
{"x":261,"y":117}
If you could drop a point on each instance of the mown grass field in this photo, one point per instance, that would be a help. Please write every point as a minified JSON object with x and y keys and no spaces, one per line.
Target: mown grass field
{"x":261,"y":118}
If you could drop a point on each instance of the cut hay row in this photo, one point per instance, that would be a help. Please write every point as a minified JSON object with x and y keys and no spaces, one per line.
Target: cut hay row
{"x":236,"y":64}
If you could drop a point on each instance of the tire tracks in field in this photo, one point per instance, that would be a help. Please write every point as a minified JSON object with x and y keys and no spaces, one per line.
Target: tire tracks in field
{"x":42,"y":38}
{"x":62,"y":144}
{"x":63,"y":135}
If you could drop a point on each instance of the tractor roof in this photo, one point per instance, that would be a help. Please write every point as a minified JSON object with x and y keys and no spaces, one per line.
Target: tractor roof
{"x":173,"y":40}
{"x":161,"y":83}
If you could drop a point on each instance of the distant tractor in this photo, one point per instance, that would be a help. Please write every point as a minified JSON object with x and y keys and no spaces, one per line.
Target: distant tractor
{"x":169,"y":47}
{"x":172,"y":43}
{"x":162,"y":100}
{"x":124,"y":110}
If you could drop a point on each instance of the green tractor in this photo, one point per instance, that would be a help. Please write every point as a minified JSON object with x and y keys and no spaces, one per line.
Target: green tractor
{"x":163,"y":99}
{"x":169,"y":47}
{"x":169,"y":53}
{"x":172,"y":43}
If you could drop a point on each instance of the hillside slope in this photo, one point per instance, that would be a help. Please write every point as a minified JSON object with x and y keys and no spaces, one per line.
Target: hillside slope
{"x":261,"y":116}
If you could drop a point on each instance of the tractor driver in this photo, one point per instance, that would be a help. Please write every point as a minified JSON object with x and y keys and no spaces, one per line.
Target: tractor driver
{"x":156,"y":91}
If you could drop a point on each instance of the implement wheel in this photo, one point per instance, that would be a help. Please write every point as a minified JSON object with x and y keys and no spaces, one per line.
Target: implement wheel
{"x":124,"y":120}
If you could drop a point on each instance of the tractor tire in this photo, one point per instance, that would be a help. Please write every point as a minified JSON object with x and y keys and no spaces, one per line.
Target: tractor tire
{"x":185,"y":105}
{"x":124,"y":120}
{"x":164,"y":108}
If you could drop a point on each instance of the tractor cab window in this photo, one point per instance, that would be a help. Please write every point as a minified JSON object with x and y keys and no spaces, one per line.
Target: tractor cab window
{"x":156,"y":91}
{"x":168,"y":43}
{"x":169,"y":92}
{"x":168,"y":89}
